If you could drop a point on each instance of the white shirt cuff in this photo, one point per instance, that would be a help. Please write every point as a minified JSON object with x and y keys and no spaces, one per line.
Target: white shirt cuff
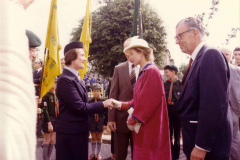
{"x":201,"y":148}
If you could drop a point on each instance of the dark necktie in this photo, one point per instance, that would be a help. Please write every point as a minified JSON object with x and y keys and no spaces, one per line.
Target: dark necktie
{"x":170,"y":91}
{"x":189,"y":66}
{"x":96,"y":115}
{"x":133,"y":76}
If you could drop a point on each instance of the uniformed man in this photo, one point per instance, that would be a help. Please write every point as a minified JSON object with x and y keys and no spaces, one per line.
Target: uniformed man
{"x":33,"y":42}
{"x":37,"y":75}
{"x":172,"y":89}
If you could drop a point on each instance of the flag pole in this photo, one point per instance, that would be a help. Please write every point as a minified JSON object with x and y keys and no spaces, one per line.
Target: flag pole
{"x":44,"y":59}
{"x":140,"y":31}
{"x":137,"y":20}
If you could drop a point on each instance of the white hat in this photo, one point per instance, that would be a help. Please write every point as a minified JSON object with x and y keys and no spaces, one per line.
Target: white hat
{"x":135,"y":42}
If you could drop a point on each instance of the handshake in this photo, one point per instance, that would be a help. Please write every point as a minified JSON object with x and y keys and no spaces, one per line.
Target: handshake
{"x":117,"y":104}
{"x":112,"y":103}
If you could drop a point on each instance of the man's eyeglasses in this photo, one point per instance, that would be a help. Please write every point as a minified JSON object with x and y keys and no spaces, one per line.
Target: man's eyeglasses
{"x":178,"y":37}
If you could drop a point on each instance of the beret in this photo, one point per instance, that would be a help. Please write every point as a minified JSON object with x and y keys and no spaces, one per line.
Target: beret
{"x":72,"y":45}
{"x":96,"y":86}
{"x":33,"y":39}
{"x":171,"y":67}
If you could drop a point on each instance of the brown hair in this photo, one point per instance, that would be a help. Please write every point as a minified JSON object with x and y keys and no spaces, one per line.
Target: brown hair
{"x":237,"y":49}
{"x":147,"y":52}
{"x":70,"y":56}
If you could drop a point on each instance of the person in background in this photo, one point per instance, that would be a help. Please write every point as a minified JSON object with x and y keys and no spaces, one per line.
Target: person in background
{"x":172,"y":91}
{"x":37,"y":74}
{"x":88,"y":86}
{"x":97,"y":124}
{"x":33,"y":42}
{"x":236,"y":56}
{"x":18,"y":105}
{"x":85,"y":79}
{"x":108,"y":87}
{"x":99,"y":80}
{"x":234,"y":103}
{"x":93,"y":80}
{"x":50,"y":111}
{"x":63,"y":63}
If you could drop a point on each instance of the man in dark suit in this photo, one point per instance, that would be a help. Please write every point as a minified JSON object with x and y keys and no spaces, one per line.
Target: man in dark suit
{"x":37,"y":74}
{"x":203,"y":102}
{"x":122,"y":90}
{"x":73,"y":123}
{"x":172,"y":90}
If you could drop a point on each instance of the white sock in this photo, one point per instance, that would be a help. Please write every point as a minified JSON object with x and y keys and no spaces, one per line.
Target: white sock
{"x":99,"y":146}
{"x":93,"y":147}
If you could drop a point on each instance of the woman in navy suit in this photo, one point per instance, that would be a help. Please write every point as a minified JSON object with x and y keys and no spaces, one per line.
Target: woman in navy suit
{"x":73,"y":123}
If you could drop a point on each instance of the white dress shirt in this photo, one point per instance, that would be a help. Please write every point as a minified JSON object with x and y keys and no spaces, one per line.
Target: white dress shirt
{"x":39,"y":69}
{"x":196,"y":50}
{"x":72,"y":70}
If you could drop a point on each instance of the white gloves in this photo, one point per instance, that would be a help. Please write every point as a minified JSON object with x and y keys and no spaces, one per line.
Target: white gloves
{"x":130,"y":111}
{"x":135,"y":127}
{"x":116,"y":104}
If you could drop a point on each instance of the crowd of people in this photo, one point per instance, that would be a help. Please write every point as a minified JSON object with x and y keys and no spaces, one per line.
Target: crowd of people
{"x":142,"y":111}
{"x":90,"y":81}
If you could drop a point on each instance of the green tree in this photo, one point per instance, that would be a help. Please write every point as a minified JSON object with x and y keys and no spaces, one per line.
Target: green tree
{"x":111,"y":26}
{"x":213,"y":9}
{"x":182,"y":70}
{"x":233,"y":34}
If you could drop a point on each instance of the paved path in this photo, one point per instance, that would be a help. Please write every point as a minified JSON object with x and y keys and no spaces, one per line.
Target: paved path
{"x":105,"y":152}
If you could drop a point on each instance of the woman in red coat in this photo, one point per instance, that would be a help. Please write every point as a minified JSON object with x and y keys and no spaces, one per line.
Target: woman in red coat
{"x":151,"y":142}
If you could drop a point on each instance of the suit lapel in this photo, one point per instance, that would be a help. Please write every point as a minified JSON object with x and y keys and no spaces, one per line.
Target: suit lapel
{"x":125,"y":73}
{"x":192,"y":68}
{"x":80,"y":84}
{"x":80,"y":87}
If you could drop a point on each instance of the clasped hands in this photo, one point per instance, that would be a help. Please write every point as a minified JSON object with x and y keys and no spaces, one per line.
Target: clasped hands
{"x":132,"y":123}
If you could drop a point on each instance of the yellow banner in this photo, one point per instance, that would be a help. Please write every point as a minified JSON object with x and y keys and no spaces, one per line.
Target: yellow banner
{"x":52,"y":65}
{"x":86,"y":36}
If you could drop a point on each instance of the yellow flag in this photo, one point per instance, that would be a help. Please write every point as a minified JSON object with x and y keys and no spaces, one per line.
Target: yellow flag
{"x":86,"y":36}
{"x":52,"y":65}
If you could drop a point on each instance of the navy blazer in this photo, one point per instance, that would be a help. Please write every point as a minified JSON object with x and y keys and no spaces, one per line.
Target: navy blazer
{"x":204,"y":99}
{"x":73,"y":105}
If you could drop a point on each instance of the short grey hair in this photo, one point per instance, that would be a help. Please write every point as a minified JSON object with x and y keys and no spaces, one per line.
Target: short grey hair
{"x":193,"y":23}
